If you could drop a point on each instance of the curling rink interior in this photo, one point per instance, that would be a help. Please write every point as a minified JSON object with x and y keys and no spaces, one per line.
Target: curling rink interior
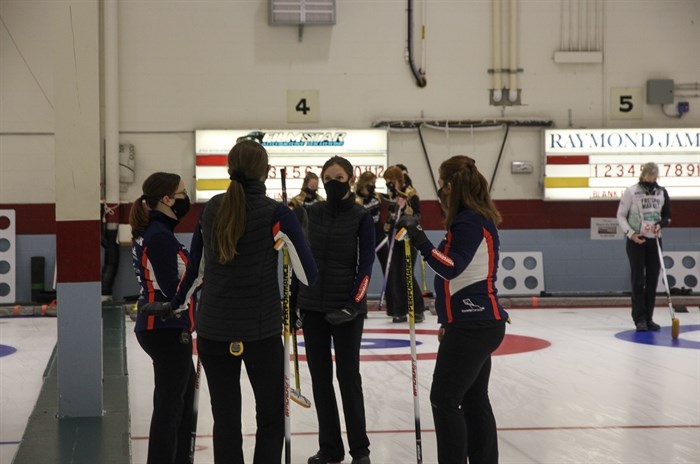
{"x":568,"y":385}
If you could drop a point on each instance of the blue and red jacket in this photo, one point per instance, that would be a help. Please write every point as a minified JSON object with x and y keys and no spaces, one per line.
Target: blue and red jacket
{"x":466,"y":264}
{"x":159,"y":261}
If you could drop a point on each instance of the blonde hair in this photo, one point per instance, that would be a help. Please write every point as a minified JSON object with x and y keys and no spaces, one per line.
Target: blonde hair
{"x":649,"y":168}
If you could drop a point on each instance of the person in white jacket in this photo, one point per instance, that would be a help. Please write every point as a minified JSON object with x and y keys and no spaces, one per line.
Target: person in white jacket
{"x":644,"y":209}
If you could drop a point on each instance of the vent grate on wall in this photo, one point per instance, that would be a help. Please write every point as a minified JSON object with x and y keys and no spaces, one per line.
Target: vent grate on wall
{"x":302,"y":12}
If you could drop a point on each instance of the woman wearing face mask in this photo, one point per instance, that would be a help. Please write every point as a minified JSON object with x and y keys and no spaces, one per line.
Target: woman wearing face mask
{"x":644,"y":209}
{"x":396,"y":292}
{"x":472,"y":321}
{"x":341,"y":235}
{"x":239,"y":320}
{"x":159,"y":260}
{"x":309,"y":192}
{"x":366,"y":196}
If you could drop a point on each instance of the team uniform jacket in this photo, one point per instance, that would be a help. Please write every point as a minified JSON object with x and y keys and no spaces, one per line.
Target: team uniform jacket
{"x":342,"y":243}
{"x":240,"y":300}
{"x":640,"y":210}
{"x":466,"y":264}
{"x":301,"y":200}
{"x":159,"y":261}
{"x":373,"y":204}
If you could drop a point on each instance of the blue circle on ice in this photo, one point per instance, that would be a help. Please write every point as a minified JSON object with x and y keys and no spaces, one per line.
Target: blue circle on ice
{"x":6,"y":350}
{"x":662,"y":337}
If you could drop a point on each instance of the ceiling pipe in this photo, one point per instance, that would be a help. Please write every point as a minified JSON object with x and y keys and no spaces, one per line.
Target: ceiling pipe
{"x":496,"y":68}
{"x":417,"y":74}
{"x":513,"y":91}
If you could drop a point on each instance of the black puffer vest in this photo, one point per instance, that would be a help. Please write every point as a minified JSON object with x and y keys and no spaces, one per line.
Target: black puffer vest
{"x":333,"y":236}
{"x":241,"y":299}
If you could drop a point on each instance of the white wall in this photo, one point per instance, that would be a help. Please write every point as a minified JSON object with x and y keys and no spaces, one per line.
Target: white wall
{"x":186,"y":65}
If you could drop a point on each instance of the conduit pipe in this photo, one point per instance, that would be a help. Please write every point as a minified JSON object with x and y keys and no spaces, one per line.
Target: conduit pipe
{"x":508,"y":94}
{"x":496,"y":67}
{"x":513,"y":91}
{"x":417,"y":74}
{"x":111,"y":145}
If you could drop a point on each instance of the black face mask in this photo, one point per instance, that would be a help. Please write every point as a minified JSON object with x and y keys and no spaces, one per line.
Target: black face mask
{"x":370,"y":190}
{"x":336,"y":190}
{"x":181,"y":207}
{"x":648,"y":186}
{"x":310,"y":193}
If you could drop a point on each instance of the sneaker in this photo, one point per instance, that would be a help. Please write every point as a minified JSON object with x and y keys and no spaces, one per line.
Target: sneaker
{"x":398,"y":319}
{"x":651,"y":325}
{"x":361,"y":460}
{"x":642,"y":327}
{"x":419,"y":317}
{"x":322,"y":458}
{"x":340,"y":316}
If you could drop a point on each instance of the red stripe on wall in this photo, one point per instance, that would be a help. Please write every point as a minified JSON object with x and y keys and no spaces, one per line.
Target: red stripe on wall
{"x":567,"y":159}
{"x":78,"y":251}
{"x":212,"y":160}
{"x":517,"y":214}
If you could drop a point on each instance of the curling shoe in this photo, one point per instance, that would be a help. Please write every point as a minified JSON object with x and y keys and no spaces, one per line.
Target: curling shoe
{"x":361,"y":460}
{"x":419,"y":317}
{"x":651,"y":325}
{"x":322,"y":458}
{"x":399,"y":319}
{"x":642,"y":326}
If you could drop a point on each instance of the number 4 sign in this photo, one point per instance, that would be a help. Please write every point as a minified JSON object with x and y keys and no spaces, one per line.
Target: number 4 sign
{"x":303,"y":106}
{"x":626,"y":103}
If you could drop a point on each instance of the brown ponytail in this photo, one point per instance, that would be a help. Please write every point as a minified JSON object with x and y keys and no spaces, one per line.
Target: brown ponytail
{"x":158,"y":185}
{"x":247,"y":160}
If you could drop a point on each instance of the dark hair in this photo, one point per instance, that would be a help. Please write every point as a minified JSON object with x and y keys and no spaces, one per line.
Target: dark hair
{"x":340,"y":161}
{"x":249,"y":160}
{"x":155,"y":187}
{"x":468,"y":188}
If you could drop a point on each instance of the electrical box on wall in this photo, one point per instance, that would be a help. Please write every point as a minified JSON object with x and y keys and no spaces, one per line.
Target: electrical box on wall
{"x":659,"y":91}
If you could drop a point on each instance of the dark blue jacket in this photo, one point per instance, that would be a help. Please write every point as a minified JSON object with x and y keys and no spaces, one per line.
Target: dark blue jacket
{"x":466,"y":264}
{"x":159,"y":261}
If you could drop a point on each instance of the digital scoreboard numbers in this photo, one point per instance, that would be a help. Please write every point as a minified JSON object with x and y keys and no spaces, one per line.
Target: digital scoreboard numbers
{"x":298,"y":151}
{"x":599,"y":164}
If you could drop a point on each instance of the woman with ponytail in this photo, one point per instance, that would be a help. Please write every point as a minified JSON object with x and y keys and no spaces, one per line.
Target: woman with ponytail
{"x":472,"y":322}
{"x":239,"y":320}
{"x":159,"y":260}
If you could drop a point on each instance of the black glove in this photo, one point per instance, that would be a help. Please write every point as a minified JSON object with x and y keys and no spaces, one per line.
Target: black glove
{"x":158,"y":308}
{"x":413,"y":229}
{"x":341,"y":316}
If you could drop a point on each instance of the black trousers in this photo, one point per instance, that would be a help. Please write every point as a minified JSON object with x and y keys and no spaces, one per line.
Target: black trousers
{"x":645,"y":268}
{"x":174,"y":375}
{"x":346,"y":339}
{"x":264,"y":364}
{"x":464,"y":422}
{"x":396,"y":290}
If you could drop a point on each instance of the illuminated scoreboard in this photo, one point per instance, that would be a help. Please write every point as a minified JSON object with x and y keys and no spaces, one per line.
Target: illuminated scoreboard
{"x":599,"y":164}
{"x":299,"y":151}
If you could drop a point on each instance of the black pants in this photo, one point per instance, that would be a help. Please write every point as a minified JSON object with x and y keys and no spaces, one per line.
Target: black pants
{"x":464,"y":421}
{"x":346,"y":339}
{"x":174,"y":375}
{"x":645,"y":267}
{"x":264,"y":364}
{"x":396,"y":290}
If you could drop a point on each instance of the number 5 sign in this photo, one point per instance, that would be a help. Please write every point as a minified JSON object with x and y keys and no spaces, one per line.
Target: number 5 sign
{"x":626,"y":103}
{"x":303,"y":106}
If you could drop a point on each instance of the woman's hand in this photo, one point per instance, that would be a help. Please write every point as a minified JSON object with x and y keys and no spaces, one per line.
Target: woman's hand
{"x":441,"y":334}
